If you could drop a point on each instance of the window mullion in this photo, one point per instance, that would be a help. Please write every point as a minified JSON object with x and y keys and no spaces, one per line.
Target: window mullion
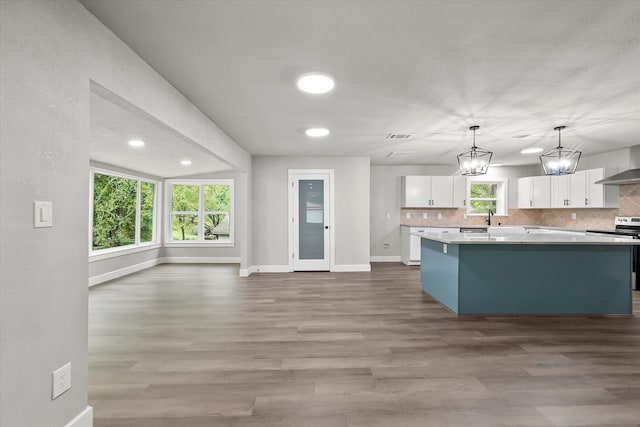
{"x":138,"y":208}
{"x":201,"y":215}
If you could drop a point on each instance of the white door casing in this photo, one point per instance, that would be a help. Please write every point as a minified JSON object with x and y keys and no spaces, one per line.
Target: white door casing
{"x":324,"y":259}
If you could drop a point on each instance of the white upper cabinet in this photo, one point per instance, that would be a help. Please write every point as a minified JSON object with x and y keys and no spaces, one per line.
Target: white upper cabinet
{"x":560,"y":191}
{"x":534,"y":192}
{"x":416,"y":191}
{"x":459,"y":191}
{"x":580,"y":191}
{"x":427,"y":192}
{"x":441,"y":191}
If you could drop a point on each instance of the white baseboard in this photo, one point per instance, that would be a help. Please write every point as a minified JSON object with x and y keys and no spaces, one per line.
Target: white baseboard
{"x":269,"y":269}
{"x":101,"y":278}
{"x":246,"y":272}
{"x":201,"y":260}
{"x":343,"y":268}
{"x":388,"y":258}
{"x":83,"y":419}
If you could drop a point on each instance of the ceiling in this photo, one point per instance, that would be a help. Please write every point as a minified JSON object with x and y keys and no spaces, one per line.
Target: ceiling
{"x":427,"y":68}
{"x":113,"y":124}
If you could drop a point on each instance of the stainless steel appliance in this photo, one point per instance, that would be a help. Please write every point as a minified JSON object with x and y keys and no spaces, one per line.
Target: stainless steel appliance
{"x":626,"y":227}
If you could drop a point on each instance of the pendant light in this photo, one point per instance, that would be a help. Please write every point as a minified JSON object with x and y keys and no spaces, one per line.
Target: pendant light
{"x":560,"y":160}
{"x":474,"y":161}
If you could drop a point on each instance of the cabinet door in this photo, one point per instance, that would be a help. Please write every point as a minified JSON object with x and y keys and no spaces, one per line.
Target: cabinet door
{"x":414,"y":248}
{"x":415,"y":191}
{"x":524,"y":193}
{"x":459,"y":191}
{"x":442,"y":191}
{"x":560,"y":191}
{"x":595,"y":192}
{"x":541,"y":191}
{"x":578,"y":190}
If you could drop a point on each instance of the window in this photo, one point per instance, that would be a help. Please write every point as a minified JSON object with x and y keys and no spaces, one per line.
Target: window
{"x":485,"y":195}
{"x":123,"y":210}
{"x":200,"y":212}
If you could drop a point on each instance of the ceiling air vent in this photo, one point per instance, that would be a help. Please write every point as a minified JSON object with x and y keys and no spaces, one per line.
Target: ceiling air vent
{"x":400,"y":154}
{"x":399,"y":136}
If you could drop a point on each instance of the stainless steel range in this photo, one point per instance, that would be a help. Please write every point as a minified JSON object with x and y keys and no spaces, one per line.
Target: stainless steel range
{"x":626,"y":227}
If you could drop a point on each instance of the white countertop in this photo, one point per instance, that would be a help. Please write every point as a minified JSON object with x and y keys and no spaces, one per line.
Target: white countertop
{"x":549,"y":238}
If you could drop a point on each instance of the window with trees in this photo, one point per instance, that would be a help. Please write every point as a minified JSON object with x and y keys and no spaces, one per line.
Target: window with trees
{"x":486,"y":195}
{"x":123,"y":210}
{"x":200,"y":212}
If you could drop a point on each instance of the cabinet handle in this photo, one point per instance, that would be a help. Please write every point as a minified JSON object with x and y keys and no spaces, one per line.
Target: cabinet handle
{"x":586,"y":202}
{"x":464,"y":202}
{"x":530,"y":202}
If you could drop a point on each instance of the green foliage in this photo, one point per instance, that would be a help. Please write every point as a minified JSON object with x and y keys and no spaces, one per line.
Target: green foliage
{"x":483,"y":198}
{"x":217,"y":202}
{"x":114,"y":211}
{"x":184,"y":198}
{"x":147,"y":191}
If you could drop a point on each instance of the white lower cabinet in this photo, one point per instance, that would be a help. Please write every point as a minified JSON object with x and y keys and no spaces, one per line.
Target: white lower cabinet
{"x":410,"y":245}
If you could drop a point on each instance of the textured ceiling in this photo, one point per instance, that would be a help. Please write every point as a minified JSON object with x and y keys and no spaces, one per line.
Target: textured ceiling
{"x":429,"y":68}
{"x":112,"y":126}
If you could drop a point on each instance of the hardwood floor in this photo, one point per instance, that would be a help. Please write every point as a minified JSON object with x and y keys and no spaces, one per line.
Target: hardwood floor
{"x":194,"y":345}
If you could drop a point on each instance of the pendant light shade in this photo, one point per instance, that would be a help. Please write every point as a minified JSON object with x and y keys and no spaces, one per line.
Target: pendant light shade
{"x":560,"y":160}
{"x":475,"y":161}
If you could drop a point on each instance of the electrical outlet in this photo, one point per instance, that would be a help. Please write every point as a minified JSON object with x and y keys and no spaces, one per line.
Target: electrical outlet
{"x":408,"y":215}
{"x":425,"y":215}
{"x":386,"y":246}
{"x":439,"y":215}
{"x":573,"y":215}
{"x":61,"y":381}
{"x":444,"y":248}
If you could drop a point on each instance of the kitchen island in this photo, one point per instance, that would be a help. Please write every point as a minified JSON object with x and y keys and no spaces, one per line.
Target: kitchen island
{"x":528,"y":273}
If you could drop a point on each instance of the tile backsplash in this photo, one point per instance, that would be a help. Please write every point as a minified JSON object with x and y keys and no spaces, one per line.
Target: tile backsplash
{"x":598,"y":219}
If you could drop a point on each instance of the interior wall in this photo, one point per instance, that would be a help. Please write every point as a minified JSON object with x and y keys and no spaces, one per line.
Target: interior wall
{"x":50,"y":52}
{"x":270,"y":207}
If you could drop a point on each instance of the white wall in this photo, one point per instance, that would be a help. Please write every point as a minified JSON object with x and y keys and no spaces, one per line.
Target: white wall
{"x":270,"y":204}
{"x":614,"y":161}
{"x":50,"y":51}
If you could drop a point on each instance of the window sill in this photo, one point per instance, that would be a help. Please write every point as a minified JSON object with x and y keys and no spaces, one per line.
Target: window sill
{"x":126,"y":250}
{"x":484,"y":214}
{"x":199,"y":245}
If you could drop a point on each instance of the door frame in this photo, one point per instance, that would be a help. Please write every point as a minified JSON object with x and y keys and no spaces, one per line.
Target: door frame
{"x":291,"y":212}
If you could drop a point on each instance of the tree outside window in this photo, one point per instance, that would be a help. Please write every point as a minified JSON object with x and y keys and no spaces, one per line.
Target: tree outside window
{"x":201,"y":211}
{"x":116,"y":202}
{"x":483,"y":197}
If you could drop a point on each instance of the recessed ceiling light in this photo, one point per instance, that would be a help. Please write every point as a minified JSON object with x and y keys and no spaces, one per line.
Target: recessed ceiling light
{"x":315,"y":82}
{"x":136,"y":143}
{"x":531,"y":150}
{"x":185,"y":162}
{"x":317,"y":132}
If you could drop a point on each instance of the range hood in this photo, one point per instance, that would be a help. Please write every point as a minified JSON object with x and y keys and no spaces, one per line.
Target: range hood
{"x":631,"y":176}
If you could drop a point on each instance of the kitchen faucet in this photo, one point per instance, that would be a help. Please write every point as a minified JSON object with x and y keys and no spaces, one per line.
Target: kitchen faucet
{"x":489,"y":215}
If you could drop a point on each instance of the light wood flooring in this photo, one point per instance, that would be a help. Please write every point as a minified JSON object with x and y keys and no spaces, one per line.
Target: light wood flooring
{"x":195,"y":346}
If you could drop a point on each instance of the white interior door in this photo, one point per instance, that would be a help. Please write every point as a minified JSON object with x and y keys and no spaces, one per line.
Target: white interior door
{"x":311,"y":221}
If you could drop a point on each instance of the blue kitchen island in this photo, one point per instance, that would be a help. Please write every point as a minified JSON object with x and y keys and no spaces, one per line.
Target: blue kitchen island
{"x":511,"y":274}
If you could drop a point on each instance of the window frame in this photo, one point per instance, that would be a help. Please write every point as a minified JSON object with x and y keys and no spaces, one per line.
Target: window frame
{"x":99,"y":254}
{"x":201,"y":242}
{"x":502,"y":195}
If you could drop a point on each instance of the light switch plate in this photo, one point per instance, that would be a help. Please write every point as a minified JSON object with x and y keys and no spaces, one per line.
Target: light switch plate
{"x":425,"y":215}
{"x":439,"y":215}
{"x":42,"y":214}
{"x":573,"y":215}
{"x":408,"y":215}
